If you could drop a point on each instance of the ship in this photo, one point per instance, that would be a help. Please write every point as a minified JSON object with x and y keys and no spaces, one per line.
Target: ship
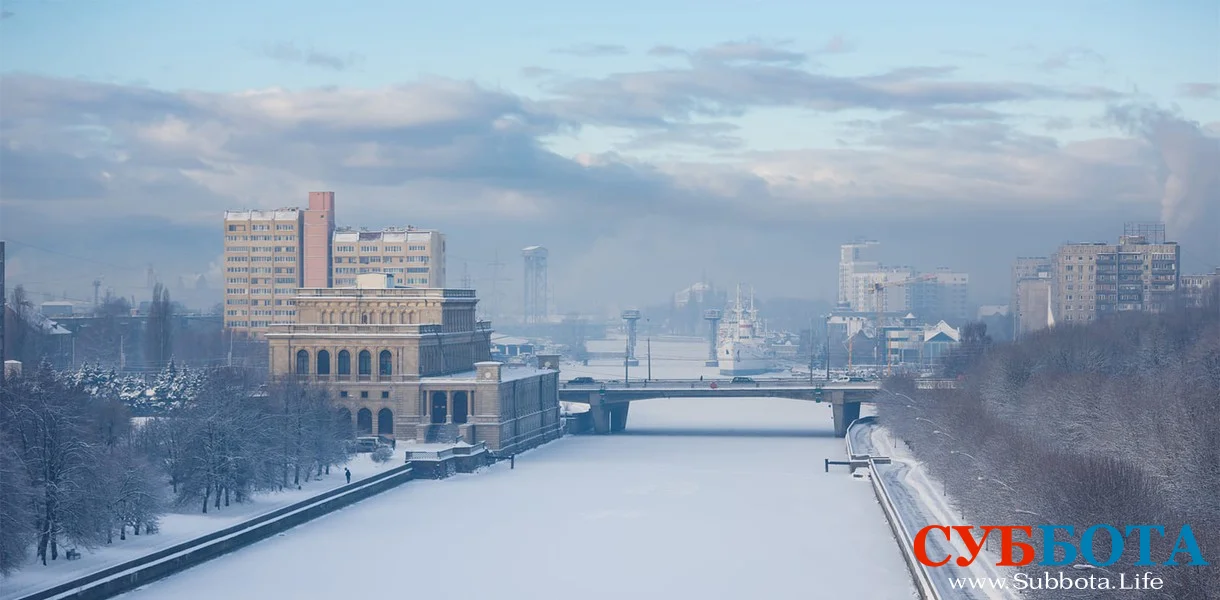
{"x":743,"y":348}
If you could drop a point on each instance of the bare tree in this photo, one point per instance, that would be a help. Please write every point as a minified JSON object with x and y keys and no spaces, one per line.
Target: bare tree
{"x":158,"y":334}
{"x":16,"y":507}
{"x":1117,"y":421}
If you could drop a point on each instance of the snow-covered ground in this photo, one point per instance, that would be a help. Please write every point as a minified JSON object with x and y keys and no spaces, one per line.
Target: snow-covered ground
{"x":699,"y":498}
{"x":922,"y":502}
{"x":177,"y":527}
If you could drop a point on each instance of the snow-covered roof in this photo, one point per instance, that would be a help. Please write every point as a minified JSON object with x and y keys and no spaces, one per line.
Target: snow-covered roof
{"x":347,"y":236}
{"x":39,"y":320}
{"x":508,"y":340}
{"x":942,"y":329}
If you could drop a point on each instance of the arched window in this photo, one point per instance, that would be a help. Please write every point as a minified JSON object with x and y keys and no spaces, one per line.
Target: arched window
{"x":323,"y":362}
{"x":302,"y":362}
{"x":384,"y":363}
{"x":385,"y":422}
{"x":365,"y":364}
{"x":364,"y":319}
{"x":364,"y":422}
{"x":345,"y":362}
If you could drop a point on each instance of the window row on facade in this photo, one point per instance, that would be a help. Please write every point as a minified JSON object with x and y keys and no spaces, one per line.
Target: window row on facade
{"x":343,"y":363}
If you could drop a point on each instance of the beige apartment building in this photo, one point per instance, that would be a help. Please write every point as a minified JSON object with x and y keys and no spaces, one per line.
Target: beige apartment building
{"x":1091,"y":280}
{"x":268,"y":254}
{"x":414,"y":363}
{"x":415,"y":257}
{"x":263,"y":267}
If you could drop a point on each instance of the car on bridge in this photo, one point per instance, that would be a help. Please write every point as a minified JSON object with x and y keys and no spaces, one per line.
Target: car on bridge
{"x":581,"y":381}
{"x":740,"y":379}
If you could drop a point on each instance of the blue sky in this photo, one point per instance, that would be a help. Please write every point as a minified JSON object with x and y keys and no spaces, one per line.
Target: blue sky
{"x":593,"y":92}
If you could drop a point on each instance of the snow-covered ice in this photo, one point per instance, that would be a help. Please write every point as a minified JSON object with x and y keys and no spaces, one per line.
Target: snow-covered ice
{"x":176,"y":527}
{"x":699,"y":498}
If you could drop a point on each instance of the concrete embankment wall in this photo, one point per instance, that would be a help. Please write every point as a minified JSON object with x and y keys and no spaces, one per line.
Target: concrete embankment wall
{"x":919,"y":573}
{"x":141,"y":571}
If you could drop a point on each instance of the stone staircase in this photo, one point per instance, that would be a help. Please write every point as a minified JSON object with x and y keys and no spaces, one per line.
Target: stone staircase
{"x":441,"y":433}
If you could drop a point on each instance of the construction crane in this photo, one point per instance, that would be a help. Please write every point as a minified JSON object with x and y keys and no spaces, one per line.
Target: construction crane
{"x":880,"y":299}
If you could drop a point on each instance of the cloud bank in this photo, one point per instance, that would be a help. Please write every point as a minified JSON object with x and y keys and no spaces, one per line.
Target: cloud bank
{"x":940,"y":165}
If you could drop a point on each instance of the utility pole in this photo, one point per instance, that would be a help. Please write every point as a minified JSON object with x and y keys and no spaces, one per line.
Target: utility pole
{"x":648,"y":324}
{"x":627,"y":361}
{"x":827,"y":348}
{"x":810,"y":349}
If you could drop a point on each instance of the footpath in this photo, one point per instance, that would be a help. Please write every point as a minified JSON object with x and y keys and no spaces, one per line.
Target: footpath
{"x":920,"y":502}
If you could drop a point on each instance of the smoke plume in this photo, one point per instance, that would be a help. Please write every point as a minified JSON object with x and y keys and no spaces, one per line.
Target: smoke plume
{"x":1190,"y":178}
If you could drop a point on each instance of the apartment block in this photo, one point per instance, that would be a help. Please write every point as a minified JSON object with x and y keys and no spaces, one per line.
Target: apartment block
{"x":942,"y":295}
{"x":262,"y":267}
{"x":892,"y":298}
{"x":1091,"y":280}
{"x":415,"y":257}
{"x":1033,"y":304}
{"x":852,"y":261}
{"x":1196,"y":288}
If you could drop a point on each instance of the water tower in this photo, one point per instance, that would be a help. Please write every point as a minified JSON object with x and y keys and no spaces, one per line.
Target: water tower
{"x":632,"y":317}
{"x":713,"y":316}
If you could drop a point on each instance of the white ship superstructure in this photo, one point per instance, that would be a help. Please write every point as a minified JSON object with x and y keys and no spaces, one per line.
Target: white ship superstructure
{"x":743,"y":348}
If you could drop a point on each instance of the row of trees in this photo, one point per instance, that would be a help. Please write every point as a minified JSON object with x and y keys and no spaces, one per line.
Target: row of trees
{"x":77,"y":470}
{"x":1116,"y":422}
{"x":110,"y":335}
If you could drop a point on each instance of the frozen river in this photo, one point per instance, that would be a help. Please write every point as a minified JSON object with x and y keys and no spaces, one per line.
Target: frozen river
{"x":699,"y":498}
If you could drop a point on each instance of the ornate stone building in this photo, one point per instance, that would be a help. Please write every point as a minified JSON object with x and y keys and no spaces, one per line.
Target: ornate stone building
{"x":413,"y":363}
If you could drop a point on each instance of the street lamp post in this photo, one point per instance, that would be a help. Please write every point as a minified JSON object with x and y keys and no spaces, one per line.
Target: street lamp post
{"x":827,"y":348}
{"x":648,"y":326}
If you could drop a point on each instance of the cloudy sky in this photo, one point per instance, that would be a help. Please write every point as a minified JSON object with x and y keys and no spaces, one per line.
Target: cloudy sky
{"x":644,"y":143}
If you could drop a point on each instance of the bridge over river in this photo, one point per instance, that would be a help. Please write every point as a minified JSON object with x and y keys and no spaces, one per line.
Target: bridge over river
{"x":610,"y":401}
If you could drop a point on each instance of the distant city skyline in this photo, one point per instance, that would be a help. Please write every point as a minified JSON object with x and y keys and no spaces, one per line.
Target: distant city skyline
{"x":670,"y":140}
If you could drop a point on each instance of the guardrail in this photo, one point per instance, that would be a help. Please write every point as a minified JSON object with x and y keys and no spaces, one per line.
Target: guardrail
{"x":617,"y":384}
{"x":127,"y":576}
{"x":919,"y":572}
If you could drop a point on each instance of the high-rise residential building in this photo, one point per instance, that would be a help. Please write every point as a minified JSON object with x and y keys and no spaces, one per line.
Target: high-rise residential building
{"x":319,"y":228}
{"x":416,"y":257}
{"x":1139,"y":273}
{"x":1033,"y":304}
{"x":268,"y":254}
{"x":1026,"y":267}
{"x":941,"y":295}
{"x":863,"y":296}
{"x":851,"y":261}
{"x":263,"y":267}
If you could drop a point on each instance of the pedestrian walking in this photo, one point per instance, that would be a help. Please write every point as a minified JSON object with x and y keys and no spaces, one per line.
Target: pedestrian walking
{"x":348,"y":474}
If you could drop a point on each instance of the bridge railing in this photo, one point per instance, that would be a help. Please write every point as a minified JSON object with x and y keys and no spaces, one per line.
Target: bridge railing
{"x":719,"y":383}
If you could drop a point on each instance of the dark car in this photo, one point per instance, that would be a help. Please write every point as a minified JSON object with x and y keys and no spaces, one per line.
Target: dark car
{"x":581,"y":381}
{"x":856,"y":380}
{"x":742,"y":380}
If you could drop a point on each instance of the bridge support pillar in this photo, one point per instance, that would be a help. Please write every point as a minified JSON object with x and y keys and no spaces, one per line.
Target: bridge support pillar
{"x":618,"y":417}
{"x":600,"y":413}
{"x":844,"y":412}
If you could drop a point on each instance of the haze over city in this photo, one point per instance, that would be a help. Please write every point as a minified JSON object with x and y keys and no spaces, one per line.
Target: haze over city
{"x":645,"y":148}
